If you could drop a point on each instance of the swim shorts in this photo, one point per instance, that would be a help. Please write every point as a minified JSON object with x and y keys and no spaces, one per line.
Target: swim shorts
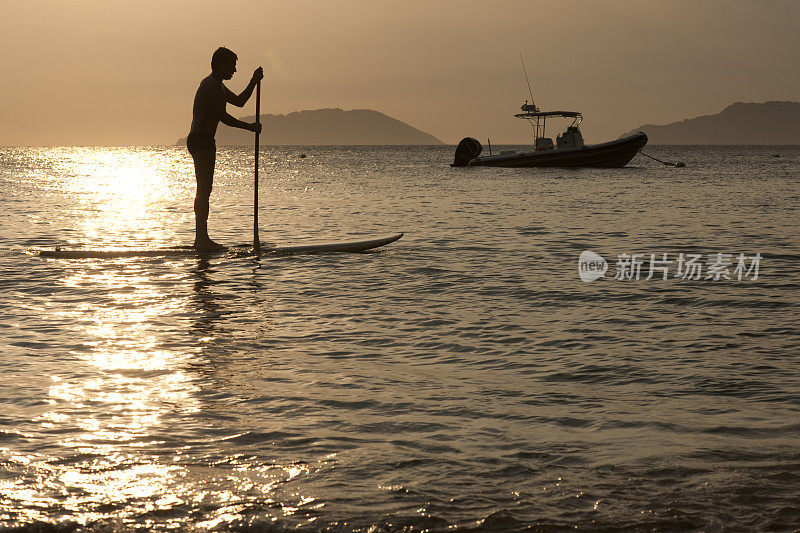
{"x":198,"y":142}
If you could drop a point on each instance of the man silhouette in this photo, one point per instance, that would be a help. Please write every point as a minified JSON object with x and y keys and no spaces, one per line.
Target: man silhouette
{"x":208,"y":111}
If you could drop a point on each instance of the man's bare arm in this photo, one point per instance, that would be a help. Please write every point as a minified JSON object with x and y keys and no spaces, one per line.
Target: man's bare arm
{"x":240,"y":99}
{"x":228,"y":120}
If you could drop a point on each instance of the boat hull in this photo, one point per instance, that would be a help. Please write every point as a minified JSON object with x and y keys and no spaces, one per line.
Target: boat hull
{"x":612,"y":154}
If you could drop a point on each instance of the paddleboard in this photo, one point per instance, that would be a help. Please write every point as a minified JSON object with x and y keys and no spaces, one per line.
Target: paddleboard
{"x":310,"y":247}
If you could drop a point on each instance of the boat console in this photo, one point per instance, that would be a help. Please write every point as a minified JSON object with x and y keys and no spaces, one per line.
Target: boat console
{"x":570,"y":139}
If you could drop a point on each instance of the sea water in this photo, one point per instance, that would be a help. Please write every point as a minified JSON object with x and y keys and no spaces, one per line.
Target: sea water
{"x":463,"y":377}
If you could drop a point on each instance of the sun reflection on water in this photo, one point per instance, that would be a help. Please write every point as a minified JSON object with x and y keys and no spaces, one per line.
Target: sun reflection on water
{"x":126,"y":195}
{"x":110,"y":418}
{"x":123,"y":433}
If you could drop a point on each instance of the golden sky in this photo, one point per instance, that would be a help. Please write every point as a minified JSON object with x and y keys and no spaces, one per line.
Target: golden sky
{"x":108,"y":72}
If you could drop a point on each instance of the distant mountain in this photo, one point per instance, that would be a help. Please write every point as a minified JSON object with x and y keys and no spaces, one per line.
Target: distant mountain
{"x":739,"y":123}
{"x":326,"y":126}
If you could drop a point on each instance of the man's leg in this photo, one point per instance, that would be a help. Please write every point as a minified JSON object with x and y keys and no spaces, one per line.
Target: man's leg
{"x":204,"y":173}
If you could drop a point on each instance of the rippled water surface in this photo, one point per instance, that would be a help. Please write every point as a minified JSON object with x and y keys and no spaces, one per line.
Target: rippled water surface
{"x":463,"y":377}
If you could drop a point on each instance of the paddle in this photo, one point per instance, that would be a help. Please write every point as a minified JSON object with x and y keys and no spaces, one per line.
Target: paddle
{"x":256,"y":243}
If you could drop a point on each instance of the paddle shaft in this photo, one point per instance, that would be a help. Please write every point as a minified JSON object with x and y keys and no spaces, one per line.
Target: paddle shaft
{"x":256,"y":243}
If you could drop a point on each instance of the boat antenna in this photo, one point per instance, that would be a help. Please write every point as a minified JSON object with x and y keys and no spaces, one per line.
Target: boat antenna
{"x":526,"y":79}
{"x":535,"y":127}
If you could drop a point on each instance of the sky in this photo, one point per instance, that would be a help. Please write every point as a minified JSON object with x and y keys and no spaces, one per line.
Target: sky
{"x":109,"y":72}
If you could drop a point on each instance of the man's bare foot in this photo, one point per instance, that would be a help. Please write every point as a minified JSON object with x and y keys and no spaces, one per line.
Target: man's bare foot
{"x":207,"y":245}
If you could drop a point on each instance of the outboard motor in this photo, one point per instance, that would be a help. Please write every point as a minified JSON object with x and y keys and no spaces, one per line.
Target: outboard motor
{"x":466,"y":150}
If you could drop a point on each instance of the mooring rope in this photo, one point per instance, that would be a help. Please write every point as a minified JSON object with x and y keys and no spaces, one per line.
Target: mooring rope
{"x":667,"y":163}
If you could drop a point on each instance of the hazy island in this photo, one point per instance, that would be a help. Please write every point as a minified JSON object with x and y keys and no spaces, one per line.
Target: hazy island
{"x":739,"y":123}
{"x":326,"y":127}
